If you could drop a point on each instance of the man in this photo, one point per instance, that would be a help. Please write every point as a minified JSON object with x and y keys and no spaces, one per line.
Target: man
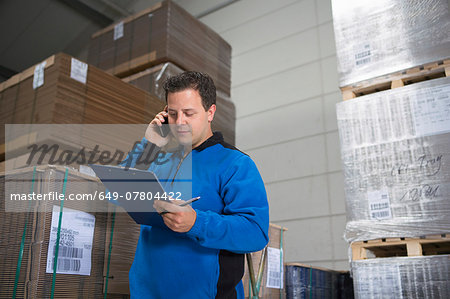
{"x":198,"y":252}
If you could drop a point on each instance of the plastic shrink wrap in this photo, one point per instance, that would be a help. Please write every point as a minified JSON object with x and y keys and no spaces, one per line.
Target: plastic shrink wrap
{"x":402,"y":277}
{"x":395,"y":150}
{"x":375,"y":38}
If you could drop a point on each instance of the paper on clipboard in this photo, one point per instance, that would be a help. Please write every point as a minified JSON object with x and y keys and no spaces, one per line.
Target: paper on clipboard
{"x":134,"y":190}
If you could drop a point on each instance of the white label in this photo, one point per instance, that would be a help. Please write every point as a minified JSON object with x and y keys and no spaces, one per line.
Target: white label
{"x":362,"y":54}
{"x":87,"y":170}
{"x":274,"y":268}
{"x":431,"y":110}
{"x":379,"y":205}
{"x":118,"y":31}
{"x":38,"y":78}
{"x":379,"y":280}
{"x":75,"y":243}
{"x":78,"y":70}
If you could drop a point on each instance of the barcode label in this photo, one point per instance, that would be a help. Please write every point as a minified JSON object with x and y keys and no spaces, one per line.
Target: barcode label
{"x":380,"y":215}
{"x":363,"y":54}
{"x":274,"y":278}
{"x":363,"y":61}
{"x":75,"y":242}
{"x":72,"y":252}
{"x":274,"y":268}
{"x":379,"y":204}
{"x":66,"y":265}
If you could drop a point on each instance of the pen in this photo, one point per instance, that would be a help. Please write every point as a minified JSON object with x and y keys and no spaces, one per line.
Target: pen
{"x":183,"y":204}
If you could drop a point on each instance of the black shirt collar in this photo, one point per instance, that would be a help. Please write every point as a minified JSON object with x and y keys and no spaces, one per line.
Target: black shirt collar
{"x":216,"y":138}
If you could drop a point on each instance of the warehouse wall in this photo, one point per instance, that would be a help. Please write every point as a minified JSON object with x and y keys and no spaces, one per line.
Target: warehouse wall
{"x":285,"y":86}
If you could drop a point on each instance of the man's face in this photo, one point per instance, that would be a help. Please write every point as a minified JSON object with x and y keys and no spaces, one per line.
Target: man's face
{"x":193,"y":123}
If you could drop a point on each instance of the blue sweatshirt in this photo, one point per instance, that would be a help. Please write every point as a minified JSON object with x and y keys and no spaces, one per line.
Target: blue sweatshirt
{"x":232,"y":219}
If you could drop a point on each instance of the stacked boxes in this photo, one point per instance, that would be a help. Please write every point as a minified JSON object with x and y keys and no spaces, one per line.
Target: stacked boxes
{"x":395,"y":148}
{"x":62,"y":99}
{"x":36,"y":229}
{"x":393,"y":62}
{"x":162,"y":33}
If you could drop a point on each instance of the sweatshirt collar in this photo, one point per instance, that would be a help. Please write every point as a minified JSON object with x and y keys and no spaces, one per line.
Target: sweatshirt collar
{"x":216,"y":138}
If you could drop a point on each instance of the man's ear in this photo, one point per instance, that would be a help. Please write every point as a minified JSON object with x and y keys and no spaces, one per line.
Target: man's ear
{"x":211,"y":112}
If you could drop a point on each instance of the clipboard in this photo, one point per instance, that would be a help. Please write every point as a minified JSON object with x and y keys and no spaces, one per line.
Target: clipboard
{"x":129,"y":185}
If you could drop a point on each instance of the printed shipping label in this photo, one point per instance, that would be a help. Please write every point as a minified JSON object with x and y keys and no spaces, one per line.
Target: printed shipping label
{"x":118,"y":31}
{"x":379,"y":204}
{"x":75,"y":243}
{"x":78,"y":70}
{"x":274,"y":268}
{"x":38,"y":78}
{"x":378,"y":280}
{"x":431,"y":110}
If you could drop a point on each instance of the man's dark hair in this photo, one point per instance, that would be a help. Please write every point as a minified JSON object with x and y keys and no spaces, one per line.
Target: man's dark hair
{"x":195,"y":80}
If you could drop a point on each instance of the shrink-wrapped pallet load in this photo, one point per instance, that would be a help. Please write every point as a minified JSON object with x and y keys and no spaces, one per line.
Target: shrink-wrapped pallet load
{"x":395,"y":149}
{"x":402,"y":277}
{"x":376,"y":38}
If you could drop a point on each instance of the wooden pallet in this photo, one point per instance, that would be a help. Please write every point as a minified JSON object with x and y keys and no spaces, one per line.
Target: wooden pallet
{"x":395,"y":247}
{"x":413,"y":75}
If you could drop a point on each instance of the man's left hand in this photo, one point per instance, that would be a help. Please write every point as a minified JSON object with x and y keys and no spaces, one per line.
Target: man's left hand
{"x":178,"y":219}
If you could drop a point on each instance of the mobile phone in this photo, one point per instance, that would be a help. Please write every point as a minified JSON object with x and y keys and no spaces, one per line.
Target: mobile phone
{"x":164,"y":129}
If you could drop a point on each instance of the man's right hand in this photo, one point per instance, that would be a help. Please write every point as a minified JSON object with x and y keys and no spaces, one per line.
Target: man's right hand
{"x":152,"y":133}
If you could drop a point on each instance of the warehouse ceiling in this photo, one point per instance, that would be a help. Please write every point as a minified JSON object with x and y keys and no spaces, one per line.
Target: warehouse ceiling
{"x":32,"y":30}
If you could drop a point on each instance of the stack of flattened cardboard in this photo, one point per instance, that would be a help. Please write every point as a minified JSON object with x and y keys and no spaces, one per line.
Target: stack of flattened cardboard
{"x":124,"y":242}
{"x":152,"y":80}
{"x":82,"y":242}
{"x":71,"y":92}
{"x":162,"y":33}
{"x":64,"y":99}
